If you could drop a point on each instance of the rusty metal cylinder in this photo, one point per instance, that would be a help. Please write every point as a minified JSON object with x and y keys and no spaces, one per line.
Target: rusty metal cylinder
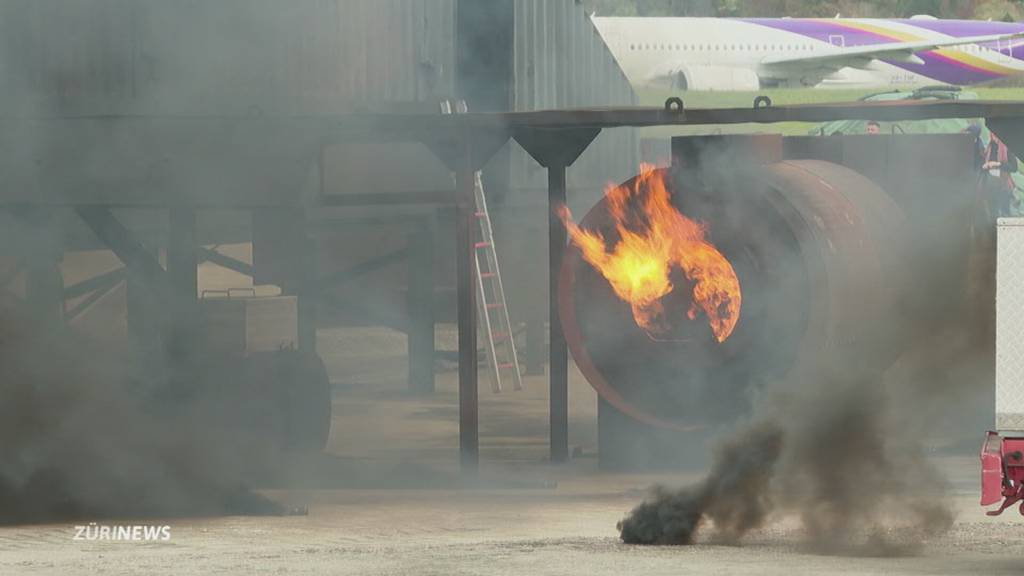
{"x":816,"y":248}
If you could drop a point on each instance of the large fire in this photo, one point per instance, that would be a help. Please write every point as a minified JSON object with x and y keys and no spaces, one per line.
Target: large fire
{"x":654,"y":238}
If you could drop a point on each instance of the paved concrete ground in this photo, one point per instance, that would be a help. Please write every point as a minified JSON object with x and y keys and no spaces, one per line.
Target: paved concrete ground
{"x":523,"y":516}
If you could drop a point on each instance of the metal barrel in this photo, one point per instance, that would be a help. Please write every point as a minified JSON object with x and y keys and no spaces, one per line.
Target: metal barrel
{"x":817,"y":249}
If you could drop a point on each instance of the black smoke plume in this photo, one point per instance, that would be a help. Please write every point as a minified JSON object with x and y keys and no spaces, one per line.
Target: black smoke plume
{"x":831,"y":455}
{"x":734,"y":496}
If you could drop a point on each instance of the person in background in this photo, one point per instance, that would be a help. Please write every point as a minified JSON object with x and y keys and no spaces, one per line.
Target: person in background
{"x":1000,"y":165}
{"x":873,"y":127}
{"x":995,"y":165}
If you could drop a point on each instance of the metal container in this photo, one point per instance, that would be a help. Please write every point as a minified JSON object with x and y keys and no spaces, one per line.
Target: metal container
{"x":806,"y":238}
{"x":1009,"y":317}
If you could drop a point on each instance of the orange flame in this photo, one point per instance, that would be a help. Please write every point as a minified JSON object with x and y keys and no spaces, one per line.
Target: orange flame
{"x":654,"y":237}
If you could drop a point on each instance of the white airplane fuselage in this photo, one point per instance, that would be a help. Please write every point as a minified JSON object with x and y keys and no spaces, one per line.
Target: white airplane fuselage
{"x":733,"y":54}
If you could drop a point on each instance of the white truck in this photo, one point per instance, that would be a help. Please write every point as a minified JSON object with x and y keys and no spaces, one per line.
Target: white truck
{"x":1002,"y":455}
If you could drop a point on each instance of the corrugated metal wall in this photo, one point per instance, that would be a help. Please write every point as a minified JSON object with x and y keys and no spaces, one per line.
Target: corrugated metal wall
{"x":562,"y":62}
{"x":224,"y":57}
{"x":240,"y":57}
{"x":397,"y":50}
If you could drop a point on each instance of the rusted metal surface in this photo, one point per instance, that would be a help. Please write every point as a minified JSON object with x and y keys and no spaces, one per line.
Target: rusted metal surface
{"x":932,"y":177}
{"x":562,"y":62}
{"x":806,"y":238}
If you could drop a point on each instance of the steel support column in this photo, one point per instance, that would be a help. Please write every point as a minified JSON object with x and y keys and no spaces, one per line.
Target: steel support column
{"x":465,"y":266}
{"x":44,"y":283}
{"x":420,"y":255}
{"x":559,"y":352}
{"x":464,"y":150}
{"x":556,"y":150}
{"x":182,"y":278}
{"x":308,"y":293}
{"x":44,"y":289}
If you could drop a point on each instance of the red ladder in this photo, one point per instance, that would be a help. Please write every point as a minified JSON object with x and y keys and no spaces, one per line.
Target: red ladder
{"x":500,"y":345}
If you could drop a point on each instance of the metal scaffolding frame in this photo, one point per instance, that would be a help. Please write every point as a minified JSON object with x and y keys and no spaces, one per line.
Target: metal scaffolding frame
{"x":555,"y":139}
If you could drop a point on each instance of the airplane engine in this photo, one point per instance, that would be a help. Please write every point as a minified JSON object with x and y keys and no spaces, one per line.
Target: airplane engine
{"x":715,"y":78}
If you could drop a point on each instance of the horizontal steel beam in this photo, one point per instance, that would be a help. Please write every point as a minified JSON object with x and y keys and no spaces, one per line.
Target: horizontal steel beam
{"x":415,"y":125}
{"x":388,"y":198}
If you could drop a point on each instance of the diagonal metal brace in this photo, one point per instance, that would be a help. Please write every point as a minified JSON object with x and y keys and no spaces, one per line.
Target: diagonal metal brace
{"x":224,"y":261}
{"x":123,"y":243}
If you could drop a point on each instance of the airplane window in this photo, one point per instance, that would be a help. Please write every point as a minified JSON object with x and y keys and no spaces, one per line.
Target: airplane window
{"x":632,"y":46}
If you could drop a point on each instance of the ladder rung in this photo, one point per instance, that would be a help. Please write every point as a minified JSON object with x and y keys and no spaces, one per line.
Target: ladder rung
{"x":506,"y":366}
{"x":499,"y":336}
{"x":481,"y":244}
{"x":493,"y":305}
{"x":487,"y":274}
{"x":480,"y":214}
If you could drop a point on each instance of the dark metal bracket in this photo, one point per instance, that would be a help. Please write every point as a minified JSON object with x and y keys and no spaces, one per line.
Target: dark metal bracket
{"x":477,"y":145}
{"x":555,"y":146}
